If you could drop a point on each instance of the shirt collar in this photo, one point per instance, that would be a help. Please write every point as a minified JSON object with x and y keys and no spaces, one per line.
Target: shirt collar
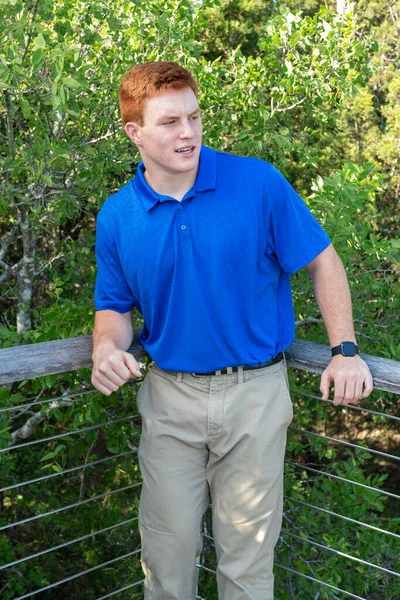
{"x":206,"y":180}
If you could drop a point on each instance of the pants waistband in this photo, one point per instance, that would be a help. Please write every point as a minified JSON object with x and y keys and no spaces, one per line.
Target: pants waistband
{"x":228,"y":370}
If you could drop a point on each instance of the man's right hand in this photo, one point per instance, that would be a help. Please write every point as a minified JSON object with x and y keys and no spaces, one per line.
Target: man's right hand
{"x":112,"y":368}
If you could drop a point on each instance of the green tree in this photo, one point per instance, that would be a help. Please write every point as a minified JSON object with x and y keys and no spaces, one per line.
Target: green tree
{"x":59,"y":71}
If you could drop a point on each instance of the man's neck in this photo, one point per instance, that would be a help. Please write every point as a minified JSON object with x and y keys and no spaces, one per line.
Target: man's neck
{"x":175,"y":186}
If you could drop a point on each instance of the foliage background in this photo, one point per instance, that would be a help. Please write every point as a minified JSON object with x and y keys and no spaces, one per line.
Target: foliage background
{"x":312,"y":87}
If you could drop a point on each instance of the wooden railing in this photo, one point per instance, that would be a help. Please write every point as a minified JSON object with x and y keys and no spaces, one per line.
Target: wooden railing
{"x":47,"y":358}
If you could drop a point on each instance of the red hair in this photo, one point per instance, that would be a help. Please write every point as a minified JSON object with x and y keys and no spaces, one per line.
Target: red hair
{"x":147,"y":80}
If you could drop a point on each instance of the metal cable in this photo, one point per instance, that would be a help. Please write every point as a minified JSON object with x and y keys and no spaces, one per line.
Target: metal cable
{"x":326,"y":437}
{"x":308,"y":577}
{"x":28,"y":404}
{"x":198,"y":566}
{"x":127,"y":587}
{"x":334,"y":551}
{"x":66,"y":434}
{"x":332,"y":587}
{"x":94,"y":391}
{"x":57,"y":510}
{"x":324,"y":510}
{"x":352,"y":406}
{"x":52,"y":585}
{"x":363,"y":485}
{"x":85,"y":466}
{"x":65,"y":544}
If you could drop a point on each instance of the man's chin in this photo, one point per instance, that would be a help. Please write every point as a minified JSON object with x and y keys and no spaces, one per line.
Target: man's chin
{"x":189,"y":164}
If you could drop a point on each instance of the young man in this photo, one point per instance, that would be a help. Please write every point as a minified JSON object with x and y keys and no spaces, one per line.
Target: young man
{"x":202,"y":243}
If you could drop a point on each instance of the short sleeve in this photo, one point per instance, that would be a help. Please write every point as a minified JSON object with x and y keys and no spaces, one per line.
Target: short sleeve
{"x":112,"y":291}
{"x":295,"y":236}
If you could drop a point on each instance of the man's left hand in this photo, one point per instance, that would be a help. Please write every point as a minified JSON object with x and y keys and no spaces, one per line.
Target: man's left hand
{"x":351,"y":377}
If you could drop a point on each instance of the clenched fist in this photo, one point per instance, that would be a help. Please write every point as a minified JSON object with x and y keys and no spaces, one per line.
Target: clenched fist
{"x":112,"y":368}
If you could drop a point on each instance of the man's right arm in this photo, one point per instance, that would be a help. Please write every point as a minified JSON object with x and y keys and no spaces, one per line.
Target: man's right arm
{"x":112,"y":365}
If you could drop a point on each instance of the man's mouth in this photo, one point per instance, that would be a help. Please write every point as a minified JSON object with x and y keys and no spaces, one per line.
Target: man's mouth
{"x":186,"y":150}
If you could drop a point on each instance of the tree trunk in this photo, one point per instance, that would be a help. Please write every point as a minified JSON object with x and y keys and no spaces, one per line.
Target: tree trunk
{"x":25,"y":275}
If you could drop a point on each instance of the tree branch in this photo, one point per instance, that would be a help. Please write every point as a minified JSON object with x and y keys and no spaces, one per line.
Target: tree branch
{"x":28,"y":429}
{"x":291,"y":107}
{"x":9,"y":271}
{"x":10,"y":123}
{"x":7,"y":241}
{"x":308,"y":320}
{"x":35,"y":9}
{"x":27,"y":408}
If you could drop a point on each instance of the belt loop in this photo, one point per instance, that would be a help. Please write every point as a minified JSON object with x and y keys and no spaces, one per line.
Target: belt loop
{"x":179,"y":376}
{"x":240,"y":374}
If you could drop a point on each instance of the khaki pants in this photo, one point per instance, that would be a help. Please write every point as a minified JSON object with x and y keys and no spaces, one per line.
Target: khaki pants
{"x":221,"y":438}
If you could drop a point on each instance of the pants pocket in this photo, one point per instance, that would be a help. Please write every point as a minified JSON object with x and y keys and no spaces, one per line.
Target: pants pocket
{"x":286,"y":389}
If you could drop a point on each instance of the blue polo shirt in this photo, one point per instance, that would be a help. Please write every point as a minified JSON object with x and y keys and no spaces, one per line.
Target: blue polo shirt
{"x":210,"y":274}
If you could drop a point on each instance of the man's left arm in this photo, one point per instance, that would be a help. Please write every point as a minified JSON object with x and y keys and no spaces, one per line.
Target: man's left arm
{"x":350,"y":374}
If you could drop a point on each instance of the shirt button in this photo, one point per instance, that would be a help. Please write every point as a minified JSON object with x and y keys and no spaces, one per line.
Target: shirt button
{"x":180,"y":206}
{"x":183,"y":227}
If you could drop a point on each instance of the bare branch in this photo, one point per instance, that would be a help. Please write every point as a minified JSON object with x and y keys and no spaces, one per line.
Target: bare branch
{"x":28,"y":429}
{"x":368,"y":337}
{"x":48,"y":263}
{"x":103,"y":137}
{"x":6,"y":243}
{"x":392,"y":60}
{"x":26,"y":409}
{"x":16,"y":266}
{"x":83,"y":472}
{"x":308,"y":320}
{"x":291,"y":107}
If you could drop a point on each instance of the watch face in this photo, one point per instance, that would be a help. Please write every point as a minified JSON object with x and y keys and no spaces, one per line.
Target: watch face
{"x":349,"y":349}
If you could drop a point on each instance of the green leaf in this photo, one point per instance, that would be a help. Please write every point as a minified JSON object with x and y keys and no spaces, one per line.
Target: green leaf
{"x":71,"y":82}
{"x":63,"y":95}
{"x":26,"y":109}
{"x":47,"y":456}
{"x":95,"y":408}
{"x":37,"y":57}
{"x":53,"y":453}
{"x":4,"y":395}
{"x":4,"y":425}
{"x":39,"y":41}
{"x":58,"y":414}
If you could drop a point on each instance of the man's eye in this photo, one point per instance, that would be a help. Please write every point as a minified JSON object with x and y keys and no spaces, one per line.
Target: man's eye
{"x":170,"y":122}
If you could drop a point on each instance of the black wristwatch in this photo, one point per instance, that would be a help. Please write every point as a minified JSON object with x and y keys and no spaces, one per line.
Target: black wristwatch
{"x":346,"y":349}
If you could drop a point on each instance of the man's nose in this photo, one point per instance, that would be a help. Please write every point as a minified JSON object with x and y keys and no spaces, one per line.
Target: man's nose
{"x":186,"y":130}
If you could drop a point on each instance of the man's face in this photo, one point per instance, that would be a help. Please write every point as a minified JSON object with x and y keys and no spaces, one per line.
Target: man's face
{"x":169,"y":139}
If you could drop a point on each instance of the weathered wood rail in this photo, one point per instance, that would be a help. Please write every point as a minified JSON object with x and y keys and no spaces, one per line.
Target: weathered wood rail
{"x":48,"y":358}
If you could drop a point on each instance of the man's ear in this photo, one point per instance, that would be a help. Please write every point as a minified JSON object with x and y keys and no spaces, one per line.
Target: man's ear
{"x":132,"y":130}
